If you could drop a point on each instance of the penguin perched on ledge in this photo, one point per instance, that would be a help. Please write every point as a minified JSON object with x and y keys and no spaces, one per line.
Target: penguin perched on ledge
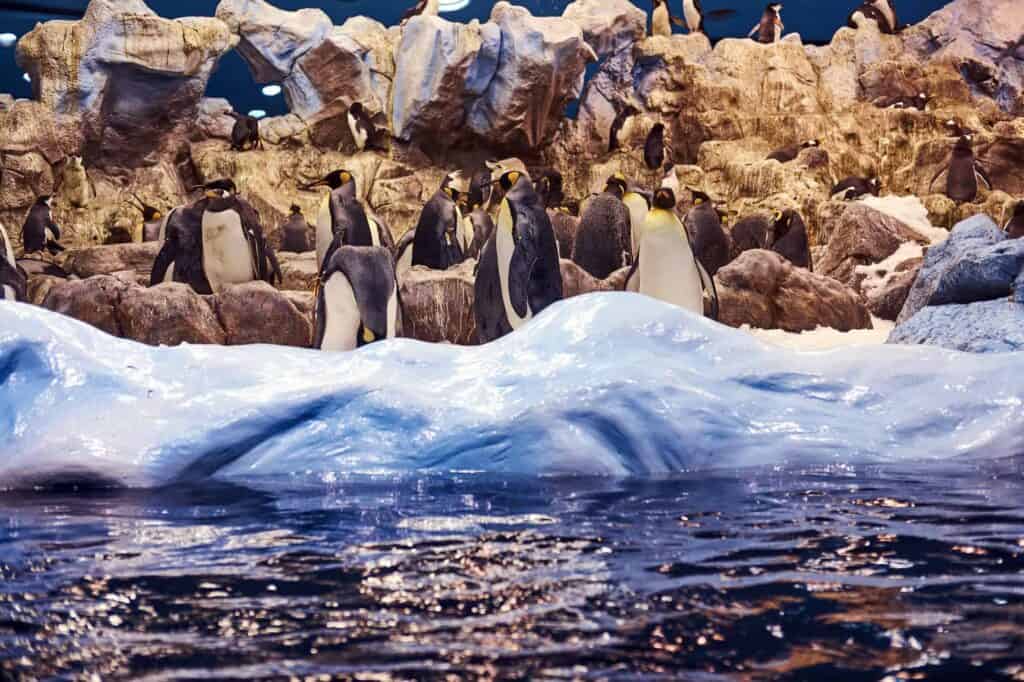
{"x":963,"y":172}
{"x":246,"y":131}
{"x":422,"y":7}
{"x":357,"y":301}
{"x":341,"y":212}
{"x":854,"y":187}
{"x":787,"y":154}
{"x":438,"y":242}
{"x":39,"y":231}
{"x":769,"y":29}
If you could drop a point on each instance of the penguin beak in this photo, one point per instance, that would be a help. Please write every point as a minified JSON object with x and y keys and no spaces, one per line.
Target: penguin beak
{"x":314,"y":185}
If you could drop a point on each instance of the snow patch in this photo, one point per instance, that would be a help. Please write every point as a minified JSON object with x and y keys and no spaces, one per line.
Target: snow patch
{"x":826,"y":338}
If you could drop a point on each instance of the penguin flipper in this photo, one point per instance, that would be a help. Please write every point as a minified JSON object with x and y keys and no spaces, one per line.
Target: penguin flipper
{"x":981,"y":173}
{"x":14,"y":277}
{"x":164,"y":258}
{"x":942,"y":169}
{"x":520,"y":269}
{"x":708,"y":286}
{"x":629,"y":284}
{"x":53,"y":247}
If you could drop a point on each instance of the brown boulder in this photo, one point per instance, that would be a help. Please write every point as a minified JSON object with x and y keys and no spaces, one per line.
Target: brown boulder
{"x":762,"y":289}
{"x":862,"y":236}
{"x":886,"y":301}
{"x":437,"y":305}
{"x":94,"y":301}
{"x":167,"y":315}
{"x":576,"y":281}
{"x":298,"y":270}
{"x":255,"y":312}
{"x":106,"y":260}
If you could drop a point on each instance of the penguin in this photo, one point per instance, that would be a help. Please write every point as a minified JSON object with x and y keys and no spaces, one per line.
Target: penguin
{"x":751,"y":232}
{"x":422,"y":7}
{"x":854,"y":187}
{"x":887,"y":8}
{"x":215,"y":243}
{"x":661,"y":19}
{"x":603,"y":238}
{"x":74,"y":183}
{"x":962,"y":172}
{"x":13,"y":280}
{"x":918,"y":101}
{"x":1014,"y":228}
{"x":39,"y":231}
{"x":671,"y":179}
{"x":638,"y":205}
{"x":868,"y":11}
{"x":480,"y":187}
{"x":437,"y":243}
{"x":483,"y":228}
{"x":341,"y":211}
{"x":152,"y":220}
{"x":654,"y":147}
{"x":710,"y":242}
{"x":295,"y":231}
{"x":518,"y":275}
{"x":498,"y":169}
{"x":361,"y":126}
{"x":619,"y":121}
{"x":693,"y":15}
{"x":787,"y":154}
{"x":565,"y":226}
{"x":246,"y":131}
{"x":667,"y":268}
{"x":549,"y":187}
{"x":769,"y":29}
{"x":357,"y":300}
{"x":789,"y":239}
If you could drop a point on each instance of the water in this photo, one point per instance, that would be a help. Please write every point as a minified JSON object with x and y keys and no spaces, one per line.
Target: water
{"x":865,"y":573}
{"x":815,"y":20}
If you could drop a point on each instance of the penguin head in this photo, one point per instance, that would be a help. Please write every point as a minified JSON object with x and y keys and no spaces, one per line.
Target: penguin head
{"x":296,"y":209}
{"x":617,"y":185}
{"x":220,"y":189}
{"x":509,"y":179}
{"x":356,"y":109}
{"x":774,"y":7}
{"x":44,"y":200}
{"x":922,"y":99}
{"x":875,"y":184}
{"x":334,"y":180}
{"x":965,"y":142}
{"x":665,"y":199}
{"x":700,"y":198}
{"x":150,"y":213}
{"x":811,"y":143}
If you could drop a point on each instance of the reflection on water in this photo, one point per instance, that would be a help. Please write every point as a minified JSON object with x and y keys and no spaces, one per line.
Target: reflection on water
{"x":824,"y":574}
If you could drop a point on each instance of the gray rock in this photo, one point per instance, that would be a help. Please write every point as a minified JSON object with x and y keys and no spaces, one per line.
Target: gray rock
{"x":984,"y":327}
{"x":976,"y":263}
{"x":608,"y":26}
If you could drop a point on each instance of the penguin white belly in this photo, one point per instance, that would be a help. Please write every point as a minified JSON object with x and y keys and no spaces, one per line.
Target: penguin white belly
{"x":392,"y":330}
{"x":342,"y":314}
{"x":660,"y":25}
{"x":668,"y":271}
{"x":505,"y":247}
{"x":374,"y":231}
{"x":637,"y":214}
{"x":465,"y":230}
{"x":691,"y":15}
{"x":169,"y":276}
{"x":8,"y":293}
{"x":226,"y":257}
{"x":324,"y":230}
{"x":359,"y":134}
{"x":48,"y":233}
{"x":883,"y":7}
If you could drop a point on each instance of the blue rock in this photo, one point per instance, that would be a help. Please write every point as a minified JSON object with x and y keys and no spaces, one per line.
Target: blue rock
{"x":976,"y":263}
{"x":984,"y":327}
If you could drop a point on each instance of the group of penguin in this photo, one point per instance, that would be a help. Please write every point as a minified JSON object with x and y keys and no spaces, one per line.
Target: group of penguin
{"x":770,"y":27}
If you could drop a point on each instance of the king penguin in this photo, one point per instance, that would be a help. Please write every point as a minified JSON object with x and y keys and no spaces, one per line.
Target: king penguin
{"x":357,"y":301}
{"x":341,"y":212}
{"x":667,"y":268}
{"x":518,"y":275}
{"x":602,"y":243}
{"x":789,"y":239}
{"x":295,"y":232}
{"x":710,"y":242}
{"x":39,"y":231}
{"x":13,"y":281}
{"x":215,"y":243}
{"x":769,"y":29}
{"x":153,"y":221}
{"x":437,"y":243}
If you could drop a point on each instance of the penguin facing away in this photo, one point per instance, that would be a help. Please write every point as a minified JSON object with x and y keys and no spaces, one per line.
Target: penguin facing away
{"x":294,"y":232}
{"x":787,"y":154}
{"x":751,"y":232}
{"x":436,"y":242}
{"x":887,"y":8}
{"x":357,"y":301}
{"x":853,"y":187}
{"x":13,"y":280}
{"x":518,"y":275}
{"x":865,"y":12}
{"x":790,"y":239}
{"x":654,"y":147}
{"x":39,"y":231}
{"x":1014,"y":228}
{"x":709,"y":240}
{"x":667,"y":267}
{"x":769,"y":29}
{"x":246,"y":131}
{"x":603,"y":238}
{"x":361,"y":126}
{"x":962,"y":172}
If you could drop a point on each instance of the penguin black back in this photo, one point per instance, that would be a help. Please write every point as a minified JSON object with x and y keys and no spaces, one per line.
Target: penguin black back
{"x":549,"y":188}
{"x":617,"y":123}
{"x":295,"y":232}
{"x":603,"y":235}
{"x":749,"y":233}
{"x":710,"y":242}
{"x":436,"y":243}
{"x":790,"y":239}
{"x":39,"y":231}
{"x":654,"y":147}
{"x":246,"y":131}
{"x":769,"y":29}
{"x":854,"y":187}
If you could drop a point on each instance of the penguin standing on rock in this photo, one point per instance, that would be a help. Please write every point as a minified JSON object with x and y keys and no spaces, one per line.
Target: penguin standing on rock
{"x":438,"y":242}
{"x":769,"y":29}
{"x":357,"y":302}
{"x":518,"y":274}
{"x":661,"y":19}
{"x":152,"y":221}
{"x":603,"y":238}
{"x":215,"y":243}
{"x":710,"y":242}
{"x":341,"y":212}
{"x":693,"y":15}
{"x":789,"y":239}
{"x":854,"y":187}
{"x":295,"y":232}
{"x":13,"y":280}
{"x":422,"y":7}
{"x":1014,"y":228}
{"x":962,"y":172}
{"x":887,"y":8}
{"x":246,"y":131}
{"x":654,"y":147}
{"x":617,"y":123}
{"x":787,"y":154}
{"x":868,"y":11}
{"x":667,"y":267}
{"x":39,"y":231}
{"x":364,"y":133}
{"x":918,"y":101}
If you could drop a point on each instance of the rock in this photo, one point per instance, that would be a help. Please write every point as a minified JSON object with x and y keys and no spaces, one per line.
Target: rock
{"x":539,"y":70}
{"x":976,"y":263}
{"x":255,"y":312}
{"x":23,"y":177}
{"x":94,"y":301}
{"x":304,"y":302}
{"x":762,"y":289}
{"x":862,"y":236}
{"x":35,"y":127}
{"x":608,"y":26}
{"x":440,"y":68}
{"x":983,"y":327}
{"x":39,"y":287}
{"x":106,"y":260}
{"x":215,"y":120}
{"x":437,"y":305}
{"x":271,"y":39}
{"x":136,"y":78}
{"x":298,"y":270}
{"x":167,"y":315}
{"x":576,"y":281}
{"x":886,"y":301}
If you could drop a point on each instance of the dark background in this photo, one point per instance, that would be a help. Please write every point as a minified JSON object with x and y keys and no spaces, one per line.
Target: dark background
{"x":815,"y":20}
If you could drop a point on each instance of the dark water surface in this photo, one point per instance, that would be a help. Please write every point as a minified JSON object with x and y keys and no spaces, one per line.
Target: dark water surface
{"x":814,"y":20}
{"x":834,"y":573}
